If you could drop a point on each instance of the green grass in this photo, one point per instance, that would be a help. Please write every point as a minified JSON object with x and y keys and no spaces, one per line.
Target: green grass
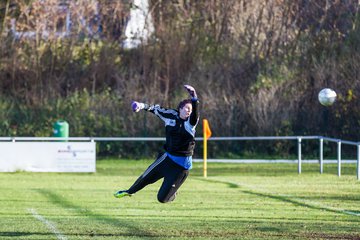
{"x":235,"y":201}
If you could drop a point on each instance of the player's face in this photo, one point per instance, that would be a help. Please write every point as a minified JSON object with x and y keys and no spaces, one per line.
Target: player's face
{"x":185,"y":111}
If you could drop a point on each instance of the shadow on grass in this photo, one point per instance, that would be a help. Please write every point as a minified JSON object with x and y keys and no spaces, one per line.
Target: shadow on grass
{"x":20,"y":234}
{"x":282,"y":198}
{"x":132,"y":230}
{"x":269,"y":169}
{"x":51,"y":235}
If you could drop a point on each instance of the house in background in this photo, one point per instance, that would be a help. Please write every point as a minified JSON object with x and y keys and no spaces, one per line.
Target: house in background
{"x":56,"y":18}
{"x":66,"y":18}
{"x":140,"y":25}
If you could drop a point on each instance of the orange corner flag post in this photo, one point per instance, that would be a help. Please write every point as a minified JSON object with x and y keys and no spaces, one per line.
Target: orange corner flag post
{"x":207,"y":134}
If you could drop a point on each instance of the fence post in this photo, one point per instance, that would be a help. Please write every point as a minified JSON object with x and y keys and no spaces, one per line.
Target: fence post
{"x":321,"y":155}
{"x":339,"y":157}
{"x":358,"y":162}
{"x":299,"y":154}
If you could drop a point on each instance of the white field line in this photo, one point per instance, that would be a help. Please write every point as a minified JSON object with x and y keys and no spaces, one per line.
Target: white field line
{"x":317,"y":204}
{"x":352,"y":213}
{"x":49,"y":224}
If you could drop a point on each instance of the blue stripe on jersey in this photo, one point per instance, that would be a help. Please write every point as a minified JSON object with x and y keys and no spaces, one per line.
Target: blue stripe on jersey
{"x":185,"y":162}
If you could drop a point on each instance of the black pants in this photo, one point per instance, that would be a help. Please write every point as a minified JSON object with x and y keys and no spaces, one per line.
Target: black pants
{"x":163,"y":167}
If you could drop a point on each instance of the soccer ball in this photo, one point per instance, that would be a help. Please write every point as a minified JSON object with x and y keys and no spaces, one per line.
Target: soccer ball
{"x":327,"y":96}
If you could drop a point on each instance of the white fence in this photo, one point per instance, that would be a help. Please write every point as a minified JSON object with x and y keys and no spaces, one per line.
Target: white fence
{"x":298,"y":139}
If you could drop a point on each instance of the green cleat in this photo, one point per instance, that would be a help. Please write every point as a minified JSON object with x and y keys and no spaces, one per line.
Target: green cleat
{"x":121,"y":193}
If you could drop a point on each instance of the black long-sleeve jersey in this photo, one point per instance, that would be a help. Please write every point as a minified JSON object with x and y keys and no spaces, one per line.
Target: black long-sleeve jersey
{"x":180,"y":134}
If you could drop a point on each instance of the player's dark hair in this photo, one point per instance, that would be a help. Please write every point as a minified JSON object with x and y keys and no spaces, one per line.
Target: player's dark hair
{"x":183,"y":103}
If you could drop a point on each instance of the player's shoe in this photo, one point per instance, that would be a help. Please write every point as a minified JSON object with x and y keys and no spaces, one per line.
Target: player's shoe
{"x":122,"y":193}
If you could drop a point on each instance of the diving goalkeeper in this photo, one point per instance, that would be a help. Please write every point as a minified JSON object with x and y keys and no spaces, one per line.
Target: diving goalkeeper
{"x":174,"y":163}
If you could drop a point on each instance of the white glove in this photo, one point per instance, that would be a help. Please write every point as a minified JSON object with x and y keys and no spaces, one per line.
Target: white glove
{"x":137,"y":106}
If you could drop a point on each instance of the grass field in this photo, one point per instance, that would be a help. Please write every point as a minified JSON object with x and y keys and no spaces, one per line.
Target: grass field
{"x":235,"y":201}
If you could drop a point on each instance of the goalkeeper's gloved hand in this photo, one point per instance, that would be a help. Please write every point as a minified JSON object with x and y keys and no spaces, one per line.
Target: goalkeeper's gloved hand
{"x":191,"y":91}
{"x":137,"y":106}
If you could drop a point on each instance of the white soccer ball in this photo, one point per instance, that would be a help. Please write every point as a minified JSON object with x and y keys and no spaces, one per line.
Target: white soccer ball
{"x":327,"y":96}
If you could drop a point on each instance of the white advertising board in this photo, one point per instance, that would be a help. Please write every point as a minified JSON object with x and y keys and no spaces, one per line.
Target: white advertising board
{"x":48,"y":156}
